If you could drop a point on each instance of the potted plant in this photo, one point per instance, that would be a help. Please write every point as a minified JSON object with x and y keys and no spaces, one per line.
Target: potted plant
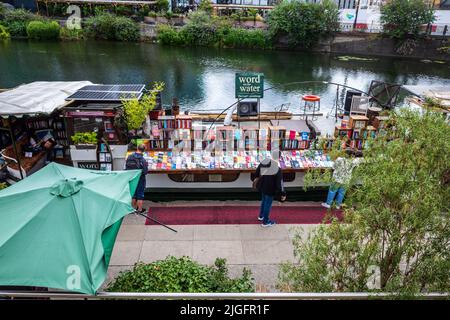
{"x":84,"y":146}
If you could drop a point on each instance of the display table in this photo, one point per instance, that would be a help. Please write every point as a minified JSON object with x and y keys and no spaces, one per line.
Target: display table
{"x":232,"y":162}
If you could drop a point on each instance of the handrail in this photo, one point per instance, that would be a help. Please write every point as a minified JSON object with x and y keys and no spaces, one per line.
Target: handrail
{"x":213,"y":296}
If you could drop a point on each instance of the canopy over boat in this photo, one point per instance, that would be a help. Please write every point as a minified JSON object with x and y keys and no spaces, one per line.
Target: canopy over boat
{"x":40,"y":97}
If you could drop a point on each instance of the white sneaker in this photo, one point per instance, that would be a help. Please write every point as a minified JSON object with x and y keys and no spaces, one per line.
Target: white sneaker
{"x":326,"y":205}
{"x":260,"y":218}
{"x":338,"y":207}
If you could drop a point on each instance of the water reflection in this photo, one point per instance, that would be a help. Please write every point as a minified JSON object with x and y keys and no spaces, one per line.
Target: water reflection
{"x":203,"y":78}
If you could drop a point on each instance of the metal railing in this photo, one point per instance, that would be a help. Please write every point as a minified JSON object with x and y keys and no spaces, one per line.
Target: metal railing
{"x":214,"y":296}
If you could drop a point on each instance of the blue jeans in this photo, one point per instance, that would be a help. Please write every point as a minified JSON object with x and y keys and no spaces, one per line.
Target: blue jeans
{"x":266,"y":205}
{"x":336,"y":189}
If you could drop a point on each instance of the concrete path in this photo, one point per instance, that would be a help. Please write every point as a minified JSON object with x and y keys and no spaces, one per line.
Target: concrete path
{"x":259,"y":249}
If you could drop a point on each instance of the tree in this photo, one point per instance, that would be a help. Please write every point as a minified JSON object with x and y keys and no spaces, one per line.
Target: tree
{"x":303,"y":23}
{"x":397,"y":221}
{"x":403,"y":18}
{"x":136,"y":111}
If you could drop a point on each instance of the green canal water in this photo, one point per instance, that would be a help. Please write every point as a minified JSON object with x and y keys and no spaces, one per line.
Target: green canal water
{"x":203,"y":78}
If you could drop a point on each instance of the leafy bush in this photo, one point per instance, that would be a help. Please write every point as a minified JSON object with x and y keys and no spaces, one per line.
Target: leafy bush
{"x":136,"y":111}
{"x":243,"y":38}
{"x":162,"y":5}
{"x":84,"y":138}
{"x":126,"y":29}
{"x":206,"y":6}
{"x":3,"y":185}
{"x":71,"y":34}
{"x":16,"y":21}
{"x":401,"y":18}
{"x":169,"y":36}
{"x":111,"y":27}
{"x":180,"y":275}
{"x":43,"y":30}
{"x":303,"y":23}
{"x":201,"y":30}
{"x":4,"y":34}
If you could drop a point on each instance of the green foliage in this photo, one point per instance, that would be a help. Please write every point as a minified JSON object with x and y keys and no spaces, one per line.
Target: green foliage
{"x":4,"y":34}
{"x":303,"y":23}
{"x":403,"y":18}
{"x":43,"y":30}
{"x":3,"y":185}
{"x":16,"y":21}
{"x":432,"y":103}
{"x":111,"y":27}
{"x":397,"y":221}
{"x":162,"y":5}
{"x":136,"y":111}
{"x":202,"y":30}
{"x":71,"y":34}
{"x":205,"y":30}
{"x":206,"y":6}
{"x":84,"y":138}
{"x":180,"y":275}
{"x":169,"y":36}
{"x":243,"y":38}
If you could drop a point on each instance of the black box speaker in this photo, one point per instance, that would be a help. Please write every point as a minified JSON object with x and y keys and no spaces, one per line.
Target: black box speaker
{"x":247,"y":108}
{"x":348,"y":100}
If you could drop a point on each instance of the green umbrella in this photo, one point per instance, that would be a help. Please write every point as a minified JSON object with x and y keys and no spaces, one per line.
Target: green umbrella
{"x":58,"y":226}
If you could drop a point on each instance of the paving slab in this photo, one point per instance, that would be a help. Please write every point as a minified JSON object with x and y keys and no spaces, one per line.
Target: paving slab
{"x":206,"y":252}
{"x":267,"y":251}
{"x":217,"y":232}
{"x":126,"y":253}
{"x":256,"y":232}
{"x":159,"y":250}
{"x":303,"y":229}
{"x":155,"y":233}
{"x":131,"y":232}
{"x":134,"y":219}
{"x":265,"y":275}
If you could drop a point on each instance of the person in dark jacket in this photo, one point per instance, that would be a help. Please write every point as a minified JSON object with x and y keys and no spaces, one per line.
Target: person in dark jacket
{"x":270,"y":184}
{"x":136,"y":161}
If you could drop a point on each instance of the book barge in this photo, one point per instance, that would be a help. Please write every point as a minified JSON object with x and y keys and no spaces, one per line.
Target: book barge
{"x":191,"y":154}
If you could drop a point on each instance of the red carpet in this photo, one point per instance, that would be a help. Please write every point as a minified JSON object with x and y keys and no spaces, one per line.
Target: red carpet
{"x":237,"y":215}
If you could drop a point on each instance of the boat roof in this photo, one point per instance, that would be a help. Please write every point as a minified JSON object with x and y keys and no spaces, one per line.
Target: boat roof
{"x":39,"y":97}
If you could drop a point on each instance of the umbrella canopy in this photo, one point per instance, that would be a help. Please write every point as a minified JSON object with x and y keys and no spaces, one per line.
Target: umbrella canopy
{"x":58,"y":226}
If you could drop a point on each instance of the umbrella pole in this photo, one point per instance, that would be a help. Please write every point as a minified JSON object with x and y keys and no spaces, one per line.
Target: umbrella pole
{"x":154,"y":220}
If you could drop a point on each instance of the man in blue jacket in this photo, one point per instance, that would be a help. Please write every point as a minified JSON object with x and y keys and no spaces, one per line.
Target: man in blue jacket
{"x":269,"y":181}
{"x":136,"y":161}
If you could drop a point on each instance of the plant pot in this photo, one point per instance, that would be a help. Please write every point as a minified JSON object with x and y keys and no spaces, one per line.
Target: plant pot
{"x":85,"y":146}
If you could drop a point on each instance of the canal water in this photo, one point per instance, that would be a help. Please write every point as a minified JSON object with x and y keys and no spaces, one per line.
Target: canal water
{"x":203,"y":78}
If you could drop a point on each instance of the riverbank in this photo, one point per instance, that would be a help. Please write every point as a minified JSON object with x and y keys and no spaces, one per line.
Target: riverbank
{"x":437,"y":48}
{"x":366,"y":44}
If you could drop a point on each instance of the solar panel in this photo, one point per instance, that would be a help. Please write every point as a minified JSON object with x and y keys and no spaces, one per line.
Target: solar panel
{"x":101,"y":92}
